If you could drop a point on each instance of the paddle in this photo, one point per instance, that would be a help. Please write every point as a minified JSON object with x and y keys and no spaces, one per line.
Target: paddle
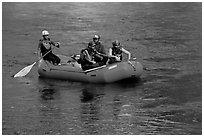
{"x":27,"y":69}
{"x":89,"y":70}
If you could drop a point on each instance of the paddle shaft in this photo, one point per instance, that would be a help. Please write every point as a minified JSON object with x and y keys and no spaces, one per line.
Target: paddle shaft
{"x":89,"y":70}
{"x":46,"y":53}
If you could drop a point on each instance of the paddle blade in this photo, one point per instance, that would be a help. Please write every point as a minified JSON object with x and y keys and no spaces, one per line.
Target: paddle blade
{"x":24,"y":71}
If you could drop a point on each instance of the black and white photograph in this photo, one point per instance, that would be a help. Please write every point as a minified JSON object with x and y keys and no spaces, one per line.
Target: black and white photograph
{"x":101,"y":68}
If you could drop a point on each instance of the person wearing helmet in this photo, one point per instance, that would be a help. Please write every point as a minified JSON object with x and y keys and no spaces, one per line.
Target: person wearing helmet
{"x":99,"y":46}
{"x":45,"y":47}
{"x":116,"y":52}
{"x":87,"y":57}
{"x":100,"y":50}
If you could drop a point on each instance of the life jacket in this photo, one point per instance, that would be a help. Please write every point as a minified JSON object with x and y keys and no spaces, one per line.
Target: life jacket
{"x":43,"y":46}
{"x":117,"y":52}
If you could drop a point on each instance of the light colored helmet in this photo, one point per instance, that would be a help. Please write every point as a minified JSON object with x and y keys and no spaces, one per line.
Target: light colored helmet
{"x":96,"y":37}
{"x":45,"y":32}
{"x":116,"y":43}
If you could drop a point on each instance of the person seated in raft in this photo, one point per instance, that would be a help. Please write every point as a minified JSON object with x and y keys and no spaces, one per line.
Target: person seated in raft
{"x":100,"y":49}
{"x":45,"y":47}
{"x":98,"y":44}
{"x":116,"y":52}
{"x":88,"y":57}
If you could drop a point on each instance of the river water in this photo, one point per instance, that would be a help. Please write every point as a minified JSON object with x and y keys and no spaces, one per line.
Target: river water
{"x":165,"y":37}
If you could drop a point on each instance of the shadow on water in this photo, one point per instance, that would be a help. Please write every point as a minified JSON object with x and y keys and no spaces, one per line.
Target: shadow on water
{"x":90,"y":109}
{"x":50,"y":109}
{"x":47,"y":90}
{"x":47,"y":94}
{"x":90,"y":103}
{"x":98,"y":100}
{"x":151,"y":107}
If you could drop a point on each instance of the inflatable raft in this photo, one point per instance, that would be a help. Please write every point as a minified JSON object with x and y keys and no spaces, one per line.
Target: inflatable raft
{"x":69,"y":69}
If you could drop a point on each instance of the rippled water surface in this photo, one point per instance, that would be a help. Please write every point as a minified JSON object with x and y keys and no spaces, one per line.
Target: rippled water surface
{"x":165,"y":37}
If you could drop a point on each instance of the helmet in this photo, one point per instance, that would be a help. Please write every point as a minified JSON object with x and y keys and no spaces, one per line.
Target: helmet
{"x":45,"y":32}
{"x":91,"y":45}
{"x":116,"y":43}
{"x":96,"y":37}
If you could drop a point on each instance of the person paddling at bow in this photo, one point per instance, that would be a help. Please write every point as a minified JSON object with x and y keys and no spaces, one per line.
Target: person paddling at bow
{"x":45,"y":46}
{"x":116,"y":52}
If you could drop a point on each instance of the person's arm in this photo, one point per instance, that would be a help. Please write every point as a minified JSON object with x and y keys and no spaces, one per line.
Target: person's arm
{"x":39,"y":49}
{"x":127,"y":52}
{"x":87,"y":57}
{"x":110,"y":52}
{"x":55,"y":44}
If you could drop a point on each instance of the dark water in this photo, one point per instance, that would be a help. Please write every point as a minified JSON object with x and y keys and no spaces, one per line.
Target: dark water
{"x":165,"y":37}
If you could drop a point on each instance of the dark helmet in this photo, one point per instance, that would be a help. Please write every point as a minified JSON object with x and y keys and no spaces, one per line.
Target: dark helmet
{"x":96,"y":37}
{"x":116,"y":43}
{"x":91,"y":45}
